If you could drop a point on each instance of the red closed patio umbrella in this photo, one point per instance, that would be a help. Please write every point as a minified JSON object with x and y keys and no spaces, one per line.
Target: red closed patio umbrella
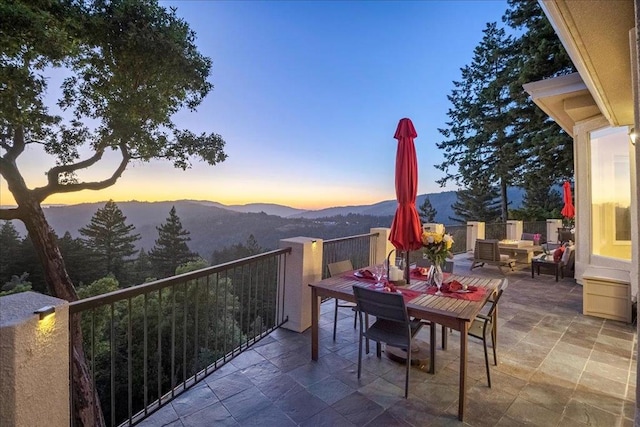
{"x":568,"y":211}
{"x":406,"y":229}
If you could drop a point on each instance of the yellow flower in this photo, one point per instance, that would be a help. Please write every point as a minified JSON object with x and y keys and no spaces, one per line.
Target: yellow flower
{"x":437,"y":246}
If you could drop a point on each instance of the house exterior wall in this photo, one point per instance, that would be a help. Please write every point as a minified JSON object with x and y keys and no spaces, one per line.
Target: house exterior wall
{"x":586,"y":263}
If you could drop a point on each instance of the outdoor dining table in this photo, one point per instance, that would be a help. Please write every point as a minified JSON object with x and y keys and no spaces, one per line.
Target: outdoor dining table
{"x":451,"y":312}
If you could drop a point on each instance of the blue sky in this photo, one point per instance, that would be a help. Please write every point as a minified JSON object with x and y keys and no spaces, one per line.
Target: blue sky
{"x":308,"y":95}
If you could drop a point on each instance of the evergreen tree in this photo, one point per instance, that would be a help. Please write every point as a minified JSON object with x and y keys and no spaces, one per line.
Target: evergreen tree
{"x":110,"y":239}
{"x":237,"y":251}
{"x":427,"y":211}
{"x":540,"y":202}
{"x":479,"y":202}
{"x":142,"y":270}
{"x":9,"y":251}
{"x":76,"y":254}
{"x":480,"y":139}
{"x":171,"y":248}
{"x":28,"y":262}
{"x":547,"y":148}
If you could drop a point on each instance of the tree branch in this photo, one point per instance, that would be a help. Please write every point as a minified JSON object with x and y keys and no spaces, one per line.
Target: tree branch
{"x":13,"y":151}
{"x":54,"y":172}
{"x":8,"y":214}
{"x":55,"y":187}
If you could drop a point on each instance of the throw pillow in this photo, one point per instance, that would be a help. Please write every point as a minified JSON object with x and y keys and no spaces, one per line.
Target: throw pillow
{"x":557,"y":254}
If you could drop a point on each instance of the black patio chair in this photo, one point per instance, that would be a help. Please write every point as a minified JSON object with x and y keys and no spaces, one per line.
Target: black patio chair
{"x":392,"y":326}
{"x":484,"y":323}
{"x":336,"y":268}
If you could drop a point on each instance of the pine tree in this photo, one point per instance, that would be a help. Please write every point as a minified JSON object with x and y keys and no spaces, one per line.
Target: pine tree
{"x":427,"y":211}
{"x":76,"y":253}
{"x":480,"y":140}
{"x":142,"y":268}
{"x":237,"y":251}
{"x":547,"y":148}
{"x":171,"y":248}
{"x":540,"y":202}
{"x":110,"y":238}
{"x":478,"y":202}
{"x":9,"y":250}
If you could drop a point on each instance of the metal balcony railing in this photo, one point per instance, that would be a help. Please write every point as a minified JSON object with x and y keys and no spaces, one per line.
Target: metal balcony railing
{"x":360,"y":249}
{"x":495,"y":230}
{"x":536,"y":227}
{"x":147,"y":344}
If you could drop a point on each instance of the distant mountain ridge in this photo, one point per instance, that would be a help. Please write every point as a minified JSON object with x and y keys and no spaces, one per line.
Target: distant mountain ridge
{"x":214,"y":225}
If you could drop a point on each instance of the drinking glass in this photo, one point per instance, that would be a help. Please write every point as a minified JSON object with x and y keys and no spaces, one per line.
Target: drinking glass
{"x":378,"y":273}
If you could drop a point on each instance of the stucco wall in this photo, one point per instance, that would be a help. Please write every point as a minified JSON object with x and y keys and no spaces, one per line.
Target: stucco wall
{"x":34,"y":362}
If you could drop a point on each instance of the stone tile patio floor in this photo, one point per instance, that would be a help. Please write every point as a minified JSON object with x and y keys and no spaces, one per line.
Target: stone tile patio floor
{"x":556,"y":367}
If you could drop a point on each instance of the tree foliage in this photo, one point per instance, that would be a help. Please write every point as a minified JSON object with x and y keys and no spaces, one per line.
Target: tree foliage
{"x":479,"y":202}
{"x":111,"y":240}
{"x":129,"y":66}
{"x":548,"y":150}
{"x":540,"y":203}
{"x":171,"y":249}
{"x":427,"y":211}
{"x":480,"y":143}
{"x":495,"y":129}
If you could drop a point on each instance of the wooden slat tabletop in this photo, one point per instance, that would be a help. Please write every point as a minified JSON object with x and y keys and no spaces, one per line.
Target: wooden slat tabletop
{"x":423,"y":306}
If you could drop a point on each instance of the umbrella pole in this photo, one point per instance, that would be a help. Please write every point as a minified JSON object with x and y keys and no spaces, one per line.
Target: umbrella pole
{"x":407,"y":268}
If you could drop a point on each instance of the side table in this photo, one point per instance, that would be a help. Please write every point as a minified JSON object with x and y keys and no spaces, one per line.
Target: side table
{"x":536,"y":263}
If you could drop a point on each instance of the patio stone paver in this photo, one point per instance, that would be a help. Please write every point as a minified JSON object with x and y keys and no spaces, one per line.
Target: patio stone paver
{"x":556,"y":367}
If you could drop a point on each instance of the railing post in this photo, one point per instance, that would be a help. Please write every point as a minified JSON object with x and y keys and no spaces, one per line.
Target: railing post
{"x":475,"y":231}
{"x":514,"y":230}
{"x":303,"y":266}
{"x":552,"y":229}
{"x":34,"y":356}
{"x":382,"y":248}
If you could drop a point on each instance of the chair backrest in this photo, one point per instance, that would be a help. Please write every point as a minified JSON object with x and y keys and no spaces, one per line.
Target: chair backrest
{"x":494,"y":304}
{"x":569,"y":257}
{"x":487,"y":250}
{"x":565,"y":235}
{"x":382,"y":305}
{"x":339,"y":267}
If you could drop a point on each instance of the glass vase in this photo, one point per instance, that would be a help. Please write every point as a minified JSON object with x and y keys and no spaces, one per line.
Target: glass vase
{"x":438,"y":277}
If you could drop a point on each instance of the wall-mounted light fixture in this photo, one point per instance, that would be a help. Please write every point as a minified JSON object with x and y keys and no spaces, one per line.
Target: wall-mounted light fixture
{"x":633,"y":135}
{"x":45,"y":311}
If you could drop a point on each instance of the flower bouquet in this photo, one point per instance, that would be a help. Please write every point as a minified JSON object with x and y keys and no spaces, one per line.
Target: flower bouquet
{"x":436,"y":247}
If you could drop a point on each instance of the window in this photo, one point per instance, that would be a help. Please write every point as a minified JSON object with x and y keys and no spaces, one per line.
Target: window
{"x":610,"y":193}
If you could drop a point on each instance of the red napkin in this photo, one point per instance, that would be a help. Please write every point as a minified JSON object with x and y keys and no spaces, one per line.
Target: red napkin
{"x":407,"y":294}
{"x":366,"y":274}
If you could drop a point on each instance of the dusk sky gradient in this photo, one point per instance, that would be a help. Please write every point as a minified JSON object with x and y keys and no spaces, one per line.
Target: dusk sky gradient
{"x":307,"y":96}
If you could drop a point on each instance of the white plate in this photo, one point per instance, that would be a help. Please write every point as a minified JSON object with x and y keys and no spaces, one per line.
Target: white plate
{"x":462,"y":291}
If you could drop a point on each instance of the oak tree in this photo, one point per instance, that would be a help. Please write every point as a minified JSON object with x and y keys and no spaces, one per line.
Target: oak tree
{"x":129,"y":66}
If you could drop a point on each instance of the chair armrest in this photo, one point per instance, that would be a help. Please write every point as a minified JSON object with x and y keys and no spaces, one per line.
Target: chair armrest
{"x":483,"y":316}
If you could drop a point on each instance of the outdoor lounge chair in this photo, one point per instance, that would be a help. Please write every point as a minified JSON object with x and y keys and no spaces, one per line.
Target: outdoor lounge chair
{"x":488,"y":252}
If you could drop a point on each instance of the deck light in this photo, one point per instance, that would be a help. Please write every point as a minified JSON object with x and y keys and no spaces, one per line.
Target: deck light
{"x":45,"y":311}
{"x":633,"y":135}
